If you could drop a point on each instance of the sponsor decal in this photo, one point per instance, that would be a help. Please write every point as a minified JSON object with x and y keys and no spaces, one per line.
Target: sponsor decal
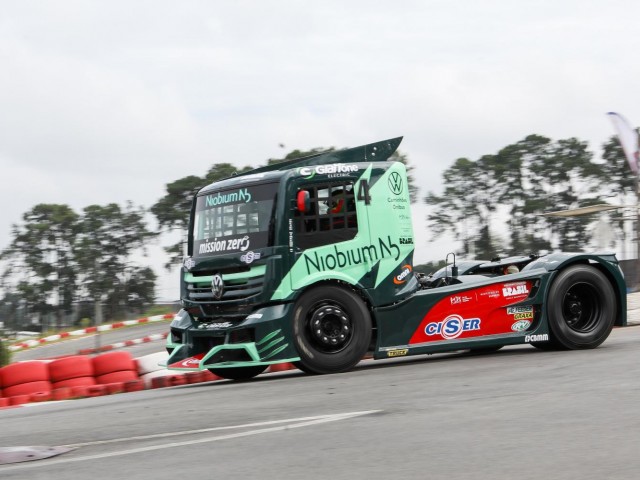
{"x":254,"y":315}
{"x":458,"y":299}
{"x":190,"y":363}
{"x":291,"y":235}
{"x":452,"y":326}
{"x":339,"y":258}
{"x":332,"y":170}
{"x":217,"y":286}
{"x":249,"y":257}
{"x":491,"y":294}
{"x":520,"y":325}
{"x":216,"y":245}
{"x":402,"y":278}
{"x":395,"y":183}
{"x":216,"y":325}
{"x":188,"y":263}
{"x":397,"y":201}
{"x":520,"y":309}
{"x":406,"y":240}
{"x":536,"y":338}
{"x":241,"y":195}
{"x":513,"y":289}
{"x":521,"y":313}
{"x":397,"y":353}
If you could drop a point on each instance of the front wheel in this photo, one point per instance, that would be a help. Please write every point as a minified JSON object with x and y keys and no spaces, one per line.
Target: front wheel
{"x":581,"y":308}
{"x":238,"y":373}
{"x":332,"y":329}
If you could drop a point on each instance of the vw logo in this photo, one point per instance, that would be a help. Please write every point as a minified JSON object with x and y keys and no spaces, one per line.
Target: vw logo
{"x":395,"y":183}
{"x":217,"y":286}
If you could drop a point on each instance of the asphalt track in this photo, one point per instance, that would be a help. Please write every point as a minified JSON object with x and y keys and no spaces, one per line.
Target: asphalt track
{"x":517,"y":413}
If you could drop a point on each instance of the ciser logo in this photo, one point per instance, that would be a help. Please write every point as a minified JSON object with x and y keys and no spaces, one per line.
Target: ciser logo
{"x":452,"y":326}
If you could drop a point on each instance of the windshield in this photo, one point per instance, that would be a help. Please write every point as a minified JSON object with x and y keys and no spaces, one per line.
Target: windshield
{"x":234,"y":220}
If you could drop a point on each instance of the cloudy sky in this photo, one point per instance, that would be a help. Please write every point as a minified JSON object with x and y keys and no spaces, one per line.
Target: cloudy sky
{"x":108,"y":101}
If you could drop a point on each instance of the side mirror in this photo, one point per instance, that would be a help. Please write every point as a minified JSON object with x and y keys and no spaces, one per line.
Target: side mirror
{"x":303,"y":202}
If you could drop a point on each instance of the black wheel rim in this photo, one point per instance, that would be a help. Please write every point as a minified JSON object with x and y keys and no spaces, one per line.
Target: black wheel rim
{"x":329,"y":327}
{"x":581,"y":307}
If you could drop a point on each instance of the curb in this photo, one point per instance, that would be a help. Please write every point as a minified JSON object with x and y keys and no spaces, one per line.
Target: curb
{"x":126,"y":343}
{"x":77,"y":333}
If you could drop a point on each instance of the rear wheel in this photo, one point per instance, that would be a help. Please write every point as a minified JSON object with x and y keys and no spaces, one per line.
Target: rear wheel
{"x":332,"y":329}
{"x":238,"y":373}
{"x":581,"y":309}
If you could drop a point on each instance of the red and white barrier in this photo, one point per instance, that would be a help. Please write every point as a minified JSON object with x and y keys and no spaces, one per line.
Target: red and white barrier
{"x":85,"y":331}
{"x":82,"y":376}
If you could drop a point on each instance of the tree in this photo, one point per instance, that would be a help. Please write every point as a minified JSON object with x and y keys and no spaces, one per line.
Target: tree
{"x":520,"y":183}
{"x":562,"y":176}
{"x":618,"y":181}
{"x":172,"y":210}
{"x":107,"y":239}
{"x":464,"y":209}
{"x":41,"y":258}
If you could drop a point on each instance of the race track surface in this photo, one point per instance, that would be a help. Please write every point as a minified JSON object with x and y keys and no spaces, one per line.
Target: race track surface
{"x":517,"y":413}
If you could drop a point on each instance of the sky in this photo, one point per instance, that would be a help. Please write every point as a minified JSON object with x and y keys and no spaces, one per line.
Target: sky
{"x":104,"y":102}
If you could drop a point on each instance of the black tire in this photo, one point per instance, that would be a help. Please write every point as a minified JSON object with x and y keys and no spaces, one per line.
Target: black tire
{"x":331,"y":329}
{"x":239,"y":373}
{"x":581,"y":309}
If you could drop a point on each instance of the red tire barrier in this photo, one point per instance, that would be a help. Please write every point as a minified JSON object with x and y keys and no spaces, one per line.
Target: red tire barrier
{"x":159,"y":382}
{"x":210,"y":377}
{"x":76,"y":382}
{"x":96,"y":391}
{"x":18,"y":400}
{"x":63,"y":393}
{"x":4,"y":402}
{"x":121,"y":376}
{"x":194,"y":377}
{"x":175,"y":380}
{"x":112,"y":362}
{"x":23,"y":372}
{"x":70,"y":367}
{"x":133,"y":386}
{"x":79,"y":391}
{"x":281,"y":367}
{"x":40,"y":397}
{"x":28,"y":388}
{"x":117,"y":387}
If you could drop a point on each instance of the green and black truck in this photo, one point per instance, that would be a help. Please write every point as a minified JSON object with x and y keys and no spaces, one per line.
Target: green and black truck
{"x":310,"y":261}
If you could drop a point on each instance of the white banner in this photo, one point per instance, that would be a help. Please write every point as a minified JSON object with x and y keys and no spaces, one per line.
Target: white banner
{"x":628,"y":139}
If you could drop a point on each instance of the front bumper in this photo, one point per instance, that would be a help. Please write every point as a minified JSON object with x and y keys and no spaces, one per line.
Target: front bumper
{"x":262,"y":338}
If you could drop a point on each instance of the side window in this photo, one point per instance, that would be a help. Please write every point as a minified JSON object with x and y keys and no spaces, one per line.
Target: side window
{"x":332,"y":217}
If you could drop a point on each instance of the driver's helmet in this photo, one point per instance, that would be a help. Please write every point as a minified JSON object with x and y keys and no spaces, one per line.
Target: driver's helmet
{"x":336,"y":202}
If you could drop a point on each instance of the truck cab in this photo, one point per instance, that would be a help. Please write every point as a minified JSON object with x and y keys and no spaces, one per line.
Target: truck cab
{"x":259,"y":240}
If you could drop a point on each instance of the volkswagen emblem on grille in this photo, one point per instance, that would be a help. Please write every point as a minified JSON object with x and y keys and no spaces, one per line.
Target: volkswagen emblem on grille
{"x":217,"y":286}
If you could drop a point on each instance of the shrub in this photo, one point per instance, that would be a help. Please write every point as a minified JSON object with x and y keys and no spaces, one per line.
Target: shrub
{"x":5,"y":354}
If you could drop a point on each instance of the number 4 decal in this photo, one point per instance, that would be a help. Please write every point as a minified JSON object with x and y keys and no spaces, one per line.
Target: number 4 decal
{"x":363,"y":191}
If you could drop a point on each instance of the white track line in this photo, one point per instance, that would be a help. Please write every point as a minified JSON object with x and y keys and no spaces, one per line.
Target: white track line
{"x":302,"y":422}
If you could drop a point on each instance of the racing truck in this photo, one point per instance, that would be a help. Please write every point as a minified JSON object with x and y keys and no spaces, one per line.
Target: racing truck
{"x":310,"y":261}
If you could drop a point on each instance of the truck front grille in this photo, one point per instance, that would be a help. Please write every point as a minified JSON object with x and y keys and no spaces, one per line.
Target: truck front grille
{"x":237,"y":289}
